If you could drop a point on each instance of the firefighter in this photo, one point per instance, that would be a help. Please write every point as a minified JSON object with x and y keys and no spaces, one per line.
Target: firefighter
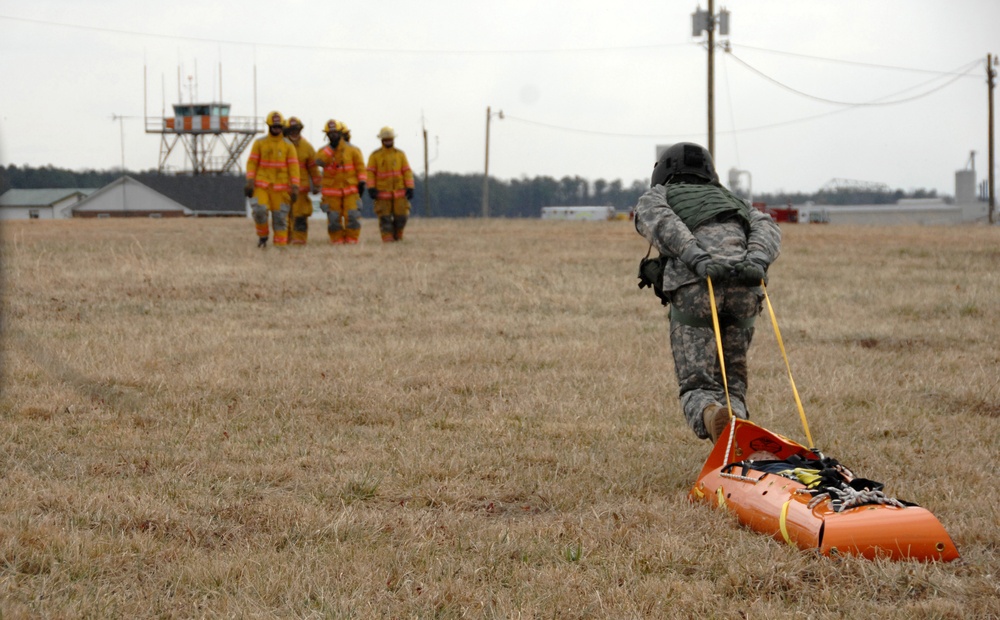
{"x":272,"y":181}
{"x":342,"y":185}
{"x":392,"y":186}
{"x":357,"y":158}
{"x":308,"y":173}
{"x":701,"y":231}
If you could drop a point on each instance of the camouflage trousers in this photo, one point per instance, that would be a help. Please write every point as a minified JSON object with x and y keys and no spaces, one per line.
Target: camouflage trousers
{"x":696,"y":358}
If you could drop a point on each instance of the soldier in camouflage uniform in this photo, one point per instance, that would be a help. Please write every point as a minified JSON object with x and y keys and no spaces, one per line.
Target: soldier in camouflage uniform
{"x":702,"y":230}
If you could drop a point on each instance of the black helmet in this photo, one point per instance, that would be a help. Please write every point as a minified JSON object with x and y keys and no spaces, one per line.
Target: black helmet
{"x":684,"y":158}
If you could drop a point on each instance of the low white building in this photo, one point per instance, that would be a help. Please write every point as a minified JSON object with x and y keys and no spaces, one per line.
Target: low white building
{"x":578,"y":213}
{"x":126,"y":197}
{"x":40,"y":204}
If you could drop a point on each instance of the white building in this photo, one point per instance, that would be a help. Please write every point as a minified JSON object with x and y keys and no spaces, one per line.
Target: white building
{"x":578,"y":213}
{"x":40,"y":204}
{"x":965,"y":209}
{"x":126,"y":197}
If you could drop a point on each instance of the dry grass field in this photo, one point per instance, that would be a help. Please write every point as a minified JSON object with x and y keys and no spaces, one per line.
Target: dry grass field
{"x":481,"y":421}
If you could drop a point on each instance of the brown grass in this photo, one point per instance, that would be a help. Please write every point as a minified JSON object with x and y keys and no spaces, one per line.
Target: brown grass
{"x":479,"y":422}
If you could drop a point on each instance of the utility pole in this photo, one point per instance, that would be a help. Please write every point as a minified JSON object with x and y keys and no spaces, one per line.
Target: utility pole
{"x":705,"y":21}
{"x":991,"y":75}
{"x":427,"y":176}
{"x":711,"y":78}
{"x":121,"y":129}
{"x":486,"y":172}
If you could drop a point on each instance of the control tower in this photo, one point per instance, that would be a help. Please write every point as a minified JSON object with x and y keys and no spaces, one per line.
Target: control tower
{"x":213,"y":140}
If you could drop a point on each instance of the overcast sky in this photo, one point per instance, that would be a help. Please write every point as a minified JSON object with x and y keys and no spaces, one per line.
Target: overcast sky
{"x":813,"y":90}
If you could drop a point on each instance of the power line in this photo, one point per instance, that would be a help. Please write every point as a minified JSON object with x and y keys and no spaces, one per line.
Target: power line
{"x":732,"y":113}
{"x":366,"y":50}
{"x":594,"y":132}
{"x":956,"y":77}
{"x":847,"y":62}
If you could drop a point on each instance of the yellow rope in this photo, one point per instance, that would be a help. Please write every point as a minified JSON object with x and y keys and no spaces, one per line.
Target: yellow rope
{"x":781,"y":345}
{"x":718,"y":342}
{"x":722,"y":364}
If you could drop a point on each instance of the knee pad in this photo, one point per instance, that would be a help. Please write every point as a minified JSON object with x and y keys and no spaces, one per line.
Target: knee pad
{"x":280,"y":218}
{"x":259,"y":212}
{"x":354,"y":219}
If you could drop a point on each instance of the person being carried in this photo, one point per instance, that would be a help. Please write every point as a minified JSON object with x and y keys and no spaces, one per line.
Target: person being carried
{"x":701,"y":231}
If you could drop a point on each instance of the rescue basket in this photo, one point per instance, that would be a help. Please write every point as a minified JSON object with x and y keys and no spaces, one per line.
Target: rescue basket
{"x":796,"y":494}
{"x":785,"y":507}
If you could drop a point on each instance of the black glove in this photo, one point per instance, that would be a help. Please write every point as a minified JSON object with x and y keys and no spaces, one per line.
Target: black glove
{"x":409,"y":193}
{"x":751,"y":272}
{"x":373,"y":193}
{"x":718,"y":270}
{"x":248,"y":190}
{"x":651,"y":275}
{"x":293,"y":195}
{"x":361,"y":188}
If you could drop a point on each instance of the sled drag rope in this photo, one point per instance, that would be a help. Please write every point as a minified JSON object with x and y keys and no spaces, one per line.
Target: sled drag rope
{"x":781,"y":345}
{"x":722,"y":360}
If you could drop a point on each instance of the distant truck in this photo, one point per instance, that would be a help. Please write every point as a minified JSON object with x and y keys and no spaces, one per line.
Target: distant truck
{"x":593,"y":214}
{"x":779,"y":214}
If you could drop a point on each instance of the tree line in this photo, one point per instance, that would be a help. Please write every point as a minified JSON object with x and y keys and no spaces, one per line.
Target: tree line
{"x":461,"y":195}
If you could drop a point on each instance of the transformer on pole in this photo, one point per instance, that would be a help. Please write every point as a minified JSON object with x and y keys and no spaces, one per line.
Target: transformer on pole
{"x":705,"y":21}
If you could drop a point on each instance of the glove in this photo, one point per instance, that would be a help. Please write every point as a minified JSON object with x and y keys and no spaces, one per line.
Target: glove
{"x":293,"y":195}
{"x":751,"y":271}
{"x":703,"y":265}
{"x":409,"y":193}
{"x":718,"y":270}
{"x":361,"y":188}
{"x":248,"y":190}
{"x":651,"y":275}
{"x":373,"y":193}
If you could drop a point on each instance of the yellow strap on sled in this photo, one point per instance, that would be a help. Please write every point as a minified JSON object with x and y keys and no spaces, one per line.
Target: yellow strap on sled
{"x":784,"y":354}
{"x":722,"y":359}
{"x":718,"y":342}
{"x":781,"y":345}
{"x":782,"y":523}
{"x":809,"y":477}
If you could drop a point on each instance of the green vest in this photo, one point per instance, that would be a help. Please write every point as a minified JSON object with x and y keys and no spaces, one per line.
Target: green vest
{"x":697,"y":204}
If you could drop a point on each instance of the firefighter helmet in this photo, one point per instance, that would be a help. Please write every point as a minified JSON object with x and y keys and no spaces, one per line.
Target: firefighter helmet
{"x":684,"y":158}
{"x":294,"y":123}
{"x":331,"y":126}
{"x":275,"y":118}
{"x":386,"y":133}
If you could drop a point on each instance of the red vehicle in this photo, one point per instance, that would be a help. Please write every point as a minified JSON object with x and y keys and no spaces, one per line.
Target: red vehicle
{"x":787,"y":214}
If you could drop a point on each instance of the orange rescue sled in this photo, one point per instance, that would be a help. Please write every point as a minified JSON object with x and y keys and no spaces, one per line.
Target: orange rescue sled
{"x":773,"y":504}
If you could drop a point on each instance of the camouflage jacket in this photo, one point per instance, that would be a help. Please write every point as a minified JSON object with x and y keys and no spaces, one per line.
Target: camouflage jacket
{"x":730,"y":239}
